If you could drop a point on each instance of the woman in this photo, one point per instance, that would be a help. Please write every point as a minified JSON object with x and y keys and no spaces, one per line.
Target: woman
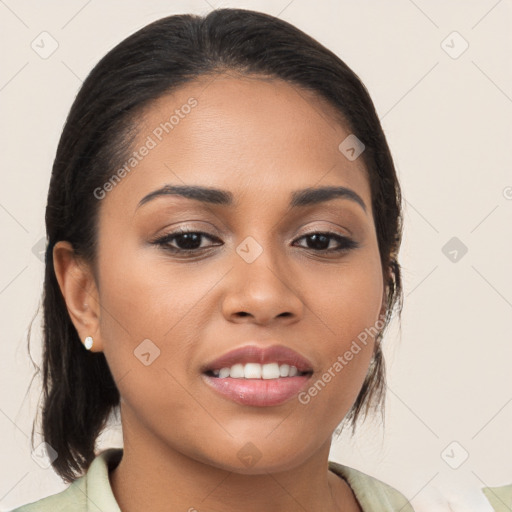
{"x":223,"y":225}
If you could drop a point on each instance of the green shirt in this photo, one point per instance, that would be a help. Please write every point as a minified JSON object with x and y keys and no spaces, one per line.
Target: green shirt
{"x":499,"y":497}
{"x":92,"y":492}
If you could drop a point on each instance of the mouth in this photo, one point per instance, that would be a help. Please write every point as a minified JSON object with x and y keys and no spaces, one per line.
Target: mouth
{"x":257,"y":376}
{"x":257,"y":371}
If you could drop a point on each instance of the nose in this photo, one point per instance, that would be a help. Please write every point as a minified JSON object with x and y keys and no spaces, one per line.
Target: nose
{"x":261,"y":293}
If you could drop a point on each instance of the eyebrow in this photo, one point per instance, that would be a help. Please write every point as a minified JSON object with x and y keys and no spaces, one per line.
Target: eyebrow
{"x":299,"y":198}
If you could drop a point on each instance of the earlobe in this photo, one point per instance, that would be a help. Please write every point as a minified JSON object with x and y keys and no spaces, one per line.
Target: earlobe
{"x":78,"y":287}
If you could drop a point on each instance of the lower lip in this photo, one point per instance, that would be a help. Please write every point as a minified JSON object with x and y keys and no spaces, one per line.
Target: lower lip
{"x":258,"y":392}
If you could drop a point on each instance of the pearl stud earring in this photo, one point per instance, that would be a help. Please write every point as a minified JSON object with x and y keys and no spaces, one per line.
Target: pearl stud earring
{"x":88,"y":342}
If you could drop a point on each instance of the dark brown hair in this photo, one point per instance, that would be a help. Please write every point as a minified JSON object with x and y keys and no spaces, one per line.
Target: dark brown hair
{"x":79,"y":392}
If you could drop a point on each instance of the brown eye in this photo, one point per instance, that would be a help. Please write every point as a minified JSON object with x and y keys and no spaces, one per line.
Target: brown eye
{"x":184,"y":241}
{"x":320,"y":241}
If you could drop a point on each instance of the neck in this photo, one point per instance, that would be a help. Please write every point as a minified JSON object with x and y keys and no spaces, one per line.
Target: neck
{"x":155,"y":476}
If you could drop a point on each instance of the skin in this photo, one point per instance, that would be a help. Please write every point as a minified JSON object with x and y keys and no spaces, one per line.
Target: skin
{"x":260,"y":139}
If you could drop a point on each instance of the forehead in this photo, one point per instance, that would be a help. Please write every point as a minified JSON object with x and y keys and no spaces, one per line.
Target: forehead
{"x":257,"y":137}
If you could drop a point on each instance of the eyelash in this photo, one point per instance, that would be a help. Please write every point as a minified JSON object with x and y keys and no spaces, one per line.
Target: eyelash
{"x":346,"y":244}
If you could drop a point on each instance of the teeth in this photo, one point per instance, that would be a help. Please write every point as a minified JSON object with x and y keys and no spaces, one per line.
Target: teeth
{"x":270,"y":371}
{"x":224,"y":372}
{"x":251,"y":371}
{"x":237,"y":371}
{"x":257,"y":371}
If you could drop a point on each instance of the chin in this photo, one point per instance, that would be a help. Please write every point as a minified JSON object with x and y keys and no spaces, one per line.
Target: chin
{"x":258,"y":456}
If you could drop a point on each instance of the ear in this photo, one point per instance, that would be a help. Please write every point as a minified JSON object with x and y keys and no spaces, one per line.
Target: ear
{"x":78,"y":287}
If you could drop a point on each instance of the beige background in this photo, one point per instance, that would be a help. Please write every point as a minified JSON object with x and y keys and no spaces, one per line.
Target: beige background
{"x":448,"y":119}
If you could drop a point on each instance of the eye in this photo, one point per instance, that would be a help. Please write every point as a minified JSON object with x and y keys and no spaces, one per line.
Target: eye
{"x":186,"y":240}
{"x":320,"y":241}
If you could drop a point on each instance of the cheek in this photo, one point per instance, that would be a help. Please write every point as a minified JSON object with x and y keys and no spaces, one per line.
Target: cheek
{"x":346,"y":306}
{"x":146,"y":295}
{"x":148,"y":334}
{"x":151,"y":305}
{"x":348,"y":299}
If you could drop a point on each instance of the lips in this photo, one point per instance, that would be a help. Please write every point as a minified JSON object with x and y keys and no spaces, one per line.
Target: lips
{"x":266,"y":391}
{"x":253,"y":354}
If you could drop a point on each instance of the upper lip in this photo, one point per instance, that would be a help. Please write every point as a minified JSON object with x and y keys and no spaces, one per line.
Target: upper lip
{"x":279,"y":354}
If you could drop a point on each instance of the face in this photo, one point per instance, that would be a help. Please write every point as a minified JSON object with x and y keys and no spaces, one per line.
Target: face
{"x":256,"y":271}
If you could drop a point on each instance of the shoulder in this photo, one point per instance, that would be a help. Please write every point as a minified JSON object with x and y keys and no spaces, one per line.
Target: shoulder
{"x":499,"y":497}
{"x":91,"y":491}
{"x":372,"y":494}
{"x":71,"y":499}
